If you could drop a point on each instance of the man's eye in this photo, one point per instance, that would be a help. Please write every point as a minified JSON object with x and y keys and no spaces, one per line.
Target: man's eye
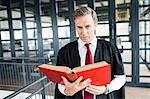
{"x":87,"y":27}
{"x":79,"y":27}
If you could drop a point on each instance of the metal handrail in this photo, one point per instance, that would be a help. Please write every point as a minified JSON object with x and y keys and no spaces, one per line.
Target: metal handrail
{"x":23,"y":88}
{"x":38,"y":90}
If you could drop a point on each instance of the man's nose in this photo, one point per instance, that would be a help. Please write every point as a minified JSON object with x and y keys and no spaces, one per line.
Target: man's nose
{"x":84,"y":31}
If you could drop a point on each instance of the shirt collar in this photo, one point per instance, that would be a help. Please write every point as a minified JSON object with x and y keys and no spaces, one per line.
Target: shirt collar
{"x":93,"y":42}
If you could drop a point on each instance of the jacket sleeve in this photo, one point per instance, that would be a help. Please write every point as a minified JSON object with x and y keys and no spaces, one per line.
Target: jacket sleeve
{"x":60,"y":62}
{"x":118,"y":68}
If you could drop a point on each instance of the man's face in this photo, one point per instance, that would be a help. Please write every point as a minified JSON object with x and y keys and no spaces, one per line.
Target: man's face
{"x":85,"y":27}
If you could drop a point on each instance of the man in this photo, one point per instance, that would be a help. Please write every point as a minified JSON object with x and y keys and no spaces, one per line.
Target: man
{"x":74,"y":54}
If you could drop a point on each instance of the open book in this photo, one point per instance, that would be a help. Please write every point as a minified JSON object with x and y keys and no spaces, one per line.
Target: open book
{"x":99,"y":73}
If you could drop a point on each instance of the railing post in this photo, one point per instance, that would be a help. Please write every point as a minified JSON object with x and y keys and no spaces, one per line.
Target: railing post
{"x":24,"y":73}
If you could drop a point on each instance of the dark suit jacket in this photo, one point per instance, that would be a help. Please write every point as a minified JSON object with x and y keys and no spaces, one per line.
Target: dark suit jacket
{"x":69,"y":56}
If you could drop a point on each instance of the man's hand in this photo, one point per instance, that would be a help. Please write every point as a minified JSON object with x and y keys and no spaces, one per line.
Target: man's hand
{"x":96,"y":90}
{"x":74,"y":87}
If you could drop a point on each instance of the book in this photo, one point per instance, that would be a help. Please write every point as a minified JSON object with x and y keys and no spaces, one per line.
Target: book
{"x":99,"y":73}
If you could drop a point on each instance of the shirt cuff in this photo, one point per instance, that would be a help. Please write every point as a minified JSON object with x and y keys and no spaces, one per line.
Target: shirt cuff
{"x":116,"y":83}
{"x":61,"y":89}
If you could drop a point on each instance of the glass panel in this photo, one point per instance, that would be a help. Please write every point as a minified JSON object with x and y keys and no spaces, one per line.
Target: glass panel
{"x":144,"y":71}
{"x":28,"y":12}
{"x":119,"y":44}
{"x":144,"y":13}
{"x":16,"y":13}
{"x":129,"y":79}
{"x":126,"y":55}
{"x":122,"y":14}
{"x":144,"y":80}
{"x":63,"y":32}
{"x":46,"y":1}
{"x":46,"y":54}
{"x":123,"y":44}
{"x":102,"y":11}
{"x":46,"y":21}
{"x":5,"y":35}
{"x":51,"y":44}
{"x":45,"y":7}
{"x":47,"y":33}
{"x":7,"y":55}
{"x":32,"y":34}
{"x":122,"y":10}
{"x":6,"y":49}
{"x":63,"y":13}
{"x":3,"y":14}
{"x":45,"y":13}
{"x":126,"y":45}
{"x":122,"y":2}
{"x":32,"y":44}
{"x":102,"y":30}
{"x":17,"y":24}
{"x":81,"y":2}
{"x":128,"y":69}
{"x":47,"y":44}
{"x":122,"y":28}
{"x":125,"y":39}
{"x":18,"y":34}
{"x":4,"y":24}
{"x":33,"y":56}
{"x":63,"y":42}
{"x":143,"y":27}
{"x":30,"y":22}
{"x":145,"y":48}
{"x":145,"y":54}
{"x":102,"y":14}
{"x":6,"y":45}
{"x":18,"y":45}
{"x":63,"y":21}
{"x":19,"y":53}
{"x":144,"y":2}
{"x":30,"y":7}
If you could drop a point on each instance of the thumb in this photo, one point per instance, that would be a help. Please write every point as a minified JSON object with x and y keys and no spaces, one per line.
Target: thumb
{"x":64,"y":80}
{"x":78,"y":80}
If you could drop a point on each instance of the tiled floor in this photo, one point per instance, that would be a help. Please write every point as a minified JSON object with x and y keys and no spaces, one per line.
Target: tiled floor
{"x":137,"y":93}
{"x":131,"y":93}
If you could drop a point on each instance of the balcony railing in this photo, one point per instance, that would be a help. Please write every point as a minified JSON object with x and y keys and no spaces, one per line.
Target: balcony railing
{"x":40,"y":89}
{"x":21,"y":74}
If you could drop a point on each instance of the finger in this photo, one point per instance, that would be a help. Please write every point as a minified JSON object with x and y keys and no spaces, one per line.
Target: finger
{"x":88,"y":80}
{"x":78,"y":80}
{"x":85,"y":83}
{"x":91,"y":91}
{"x":98,"y":88}
{"x":91,"y":88}
{"x":95,"y":89}
{"x":83,"y":86}
{"x":64,"y":80}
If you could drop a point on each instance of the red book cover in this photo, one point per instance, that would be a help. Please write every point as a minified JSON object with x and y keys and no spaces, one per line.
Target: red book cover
{"x":99,"y":73}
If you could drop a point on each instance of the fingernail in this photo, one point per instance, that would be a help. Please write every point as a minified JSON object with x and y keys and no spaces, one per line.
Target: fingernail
{"x":89,"y":79}
{"x":81,"y":76}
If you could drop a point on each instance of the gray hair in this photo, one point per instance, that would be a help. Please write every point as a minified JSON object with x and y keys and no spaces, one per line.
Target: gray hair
{"x":82,"y":11}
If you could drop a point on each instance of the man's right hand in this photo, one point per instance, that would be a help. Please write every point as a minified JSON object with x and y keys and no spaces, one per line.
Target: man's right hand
{"x":74,"y":87}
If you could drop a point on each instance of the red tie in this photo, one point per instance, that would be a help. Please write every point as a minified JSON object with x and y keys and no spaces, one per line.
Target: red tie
{"x":89,"y":60}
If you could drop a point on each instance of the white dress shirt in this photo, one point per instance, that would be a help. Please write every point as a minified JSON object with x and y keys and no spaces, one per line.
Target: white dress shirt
{"x":115,"y":84}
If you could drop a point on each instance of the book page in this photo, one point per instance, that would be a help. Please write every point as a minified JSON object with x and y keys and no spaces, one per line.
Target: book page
{"x":90,"y":66}
{"x":57,"y":68}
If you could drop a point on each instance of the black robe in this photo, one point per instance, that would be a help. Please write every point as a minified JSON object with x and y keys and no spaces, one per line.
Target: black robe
{"x":69,"y":56}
